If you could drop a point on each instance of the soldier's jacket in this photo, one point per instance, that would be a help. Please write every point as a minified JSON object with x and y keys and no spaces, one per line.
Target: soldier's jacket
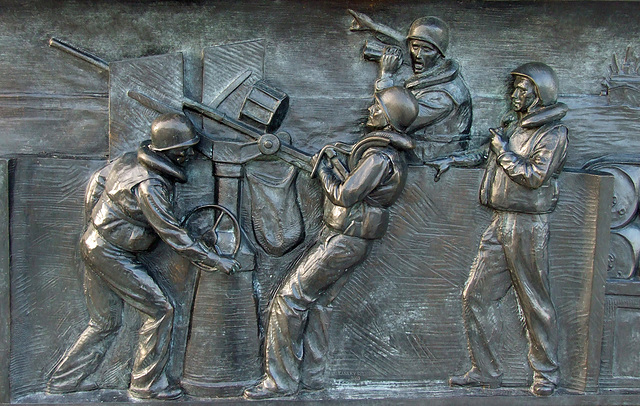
{"x":130,"y":203}
{"x":445,"y":112}
{"x":359,"y":205}
{"x":523,"y":177}
{"x":444,"y":99}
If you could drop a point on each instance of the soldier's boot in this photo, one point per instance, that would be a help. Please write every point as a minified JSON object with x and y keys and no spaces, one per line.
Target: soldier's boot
{"x":170,"y":393}
{"x":266,"y":389}
{"x":543,"y":388}
{"x":60,"y":388}
{"x":473,"y":378}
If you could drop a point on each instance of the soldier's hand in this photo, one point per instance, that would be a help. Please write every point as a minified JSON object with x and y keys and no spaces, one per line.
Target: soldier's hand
{"x":318,"y":159}
{"x":391,"y":60}
{"x":360,"y":21}
{"x":229,"y":265}
{"x":325,"y":163}
{"x":441,"y":165}
{"x":214,"y":262}
{"x":498,"y":144}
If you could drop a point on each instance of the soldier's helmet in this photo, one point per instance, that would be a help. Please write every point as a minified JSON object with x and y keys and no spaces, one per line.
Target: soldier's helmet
{"x":544,"y":79}
{"x":171,"y":131}
{"x":399,"y":105}
{"x":432,"y":30}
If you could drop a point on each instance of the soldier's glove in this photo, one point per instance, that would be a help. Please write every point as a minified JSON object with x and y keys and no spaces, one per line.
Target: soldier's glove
{"x":441,"y":165}
{"x":213,"y":262}
{"x":498,"y":144}
{"x":390,"y":60}
{"x":228,"y":265}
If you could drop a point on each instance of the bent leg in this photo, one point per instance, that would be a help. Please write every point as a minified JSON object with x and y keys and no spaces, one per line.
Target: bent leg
{"x":83,"y":358}
{"x":324,"y":264}
{"x":129,"y":279}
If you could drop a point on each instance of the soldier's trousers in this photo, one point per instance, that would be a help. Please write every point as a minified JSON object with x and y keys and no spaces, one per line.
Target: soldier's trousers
{"x":512,"y":252}
{"x":114,"y":276}
{"x":298,"y":321}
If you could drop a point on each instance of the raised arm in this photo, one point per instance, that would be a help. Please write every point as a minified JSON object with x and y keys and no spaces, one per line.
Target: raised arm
{"x":359,"y":183}
{"x":362,"y":22}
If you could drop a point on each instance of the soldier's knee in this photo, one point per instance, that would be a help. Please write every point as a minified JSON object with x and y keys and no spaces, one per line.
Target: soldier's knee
{"x":468,"y":294}
{"x":165,"y":311}
{"x":105,"y":327}
{"x":161,"y":312}
{"x":472,"y":299}
{"x":547,"y":317}
{"x":288,"y":302}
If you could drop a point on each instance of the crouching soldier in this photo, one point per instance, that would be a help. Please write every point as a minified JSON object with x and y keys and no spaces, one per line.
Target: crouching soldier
{"x":129,"y":203}
{"x":356,"y":212}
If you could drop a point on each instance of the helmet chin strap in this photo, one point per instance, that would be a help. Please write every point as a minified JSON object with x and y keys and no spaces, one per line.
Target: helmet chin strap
{"x":534,"y":104}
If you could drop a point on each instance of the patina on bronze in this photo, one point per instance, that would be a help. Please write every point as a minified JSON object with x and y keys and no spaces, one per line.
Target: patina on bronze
{"x":526,"y":156}
{"x":258,"y":245}
{"x":129,"y":204}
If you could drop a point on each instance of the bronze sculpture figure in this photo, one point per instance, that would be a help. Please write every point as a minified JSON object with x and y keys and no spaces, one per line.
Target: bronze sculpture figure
{"x":444,"y":121}
{"x":356,"y":212}
{"x":526,"y":155}
{"x":354,"y":266}
{"x":129,"y":204}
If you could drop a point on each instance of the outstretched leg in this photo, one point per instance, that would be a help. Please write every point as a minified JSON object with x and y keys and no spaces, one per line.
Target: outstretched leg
{"x":83,"y":358}
{"x":324,"y":264}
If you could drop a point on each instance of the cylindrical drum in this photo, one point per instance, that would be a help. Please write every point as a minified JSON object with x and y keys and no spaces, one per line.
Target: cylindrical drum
{"x":222,"y":356}
{"x":264,"y":107}
{"x":624,"y":205}
{"x":624,"y":252}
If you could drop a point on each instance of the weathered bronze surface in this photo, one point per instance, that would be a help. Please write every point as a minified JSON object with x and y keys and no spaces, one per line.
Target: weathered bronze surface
{"x":379,"y":202}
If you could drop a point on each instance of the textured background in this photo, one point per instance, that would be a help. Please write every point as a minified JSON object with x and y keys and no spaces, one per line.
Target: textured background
{"x":391,"y":322}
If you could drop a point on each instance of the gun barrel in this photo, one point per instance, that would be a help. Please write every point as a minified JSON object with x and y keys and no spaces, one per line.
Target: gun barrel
{"x":79,"y":53}
{"x":151,"y":103}
{"x":286,"y":152}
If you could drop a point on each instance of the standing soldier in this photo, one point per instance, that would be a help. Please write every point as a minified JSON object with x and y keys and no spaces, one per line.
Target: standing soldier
{"x":526,"y":154}
{"x":130,"y":205}
{"x":356,"y":212}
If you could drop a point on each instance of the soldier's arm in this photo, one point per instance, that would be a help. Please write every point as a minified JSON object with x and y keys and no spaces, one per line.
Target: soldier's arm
{"x":532,"y":171}
{"x":476,"y":155}
{"x":434,"y":106}
{"x":362,"y":22}
{"x":361,"y":181}
{"x":154,"y":199}
{"x":390,"y":62}
{"x":94,"y":190}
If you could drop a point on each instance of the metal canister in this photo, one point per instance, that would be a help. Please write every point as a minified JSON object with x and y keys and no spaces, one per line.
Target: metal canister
{"x":264,"y":107}
{"x":624,"y":252}
{"x":624,"y":205}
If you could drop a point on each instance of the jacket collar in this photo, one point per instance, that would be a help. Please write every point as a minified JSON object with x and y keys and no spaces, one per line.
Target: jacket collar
{"x":397,"y":140}
{"x":544,"y":115}
{"x":444,"y":72}
{"x":159,"y":163}
{"x":538,"y":118}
